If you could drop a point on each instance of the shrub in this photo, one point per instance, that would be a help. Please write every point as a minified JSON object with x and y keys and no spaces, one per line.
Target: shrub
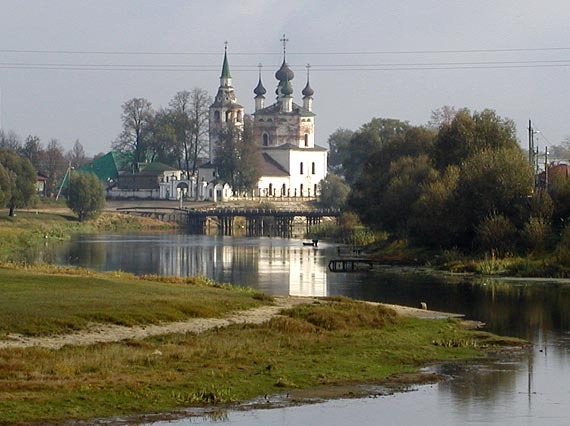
{"x":85,"y":195}
{"x":536,"y":234}
{"x":496,"y":233}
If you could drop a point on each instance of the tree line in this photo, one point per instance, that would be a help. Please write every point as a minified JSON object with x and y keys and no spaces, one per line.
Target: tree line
{"x":50,"y":160}
{"x":20,"y":161}
{"x":460,"y":182}
{"x":178,"y":135}
{"x":175,"y":135}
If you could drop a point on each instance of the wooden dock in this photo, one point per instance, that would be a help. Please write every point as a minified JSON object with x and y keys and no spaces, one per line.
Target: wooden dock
{"x":360,"y":264}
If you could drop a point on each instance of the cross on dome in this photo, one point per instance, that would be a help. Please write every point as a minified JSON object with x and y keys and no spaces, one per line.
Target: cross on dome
{"x":284,"y":40}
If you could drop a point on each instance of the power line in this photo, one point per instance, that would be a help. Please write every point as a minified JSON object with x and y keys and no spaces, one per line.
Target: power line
{"x":321,"y":66}
{"x":315,"y":68}
{"x":291,"y":53}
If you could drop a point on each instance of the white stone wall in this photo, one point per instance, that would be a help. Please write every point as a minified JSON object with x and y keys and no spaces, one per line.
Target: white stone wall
{"x":275,"y":184}
{"x":307,"y":178}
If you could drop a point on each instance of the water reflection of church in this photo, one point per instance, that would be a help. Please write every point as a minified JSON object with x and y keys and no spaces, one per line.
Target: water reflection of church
{"x":274,"y":269}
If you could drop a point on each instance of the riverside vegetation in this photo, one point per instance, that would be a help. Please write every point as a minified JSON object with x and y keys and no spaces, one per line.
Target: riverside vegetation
{"x":458,"y":193}
{"x":53,"y":222}
{"x":326,"y":342}
{"x":329,"y":342}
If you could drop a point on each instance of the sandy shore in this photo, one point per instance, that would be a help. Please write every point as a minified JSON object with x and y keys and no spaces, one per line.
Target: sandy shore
{"x":105,"y":333}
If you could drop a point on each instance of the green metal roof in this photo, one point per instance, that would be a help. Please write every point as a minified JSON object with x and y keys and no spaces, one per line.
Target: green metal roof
{"x":226,"y":67}
{"x":107,"y":166}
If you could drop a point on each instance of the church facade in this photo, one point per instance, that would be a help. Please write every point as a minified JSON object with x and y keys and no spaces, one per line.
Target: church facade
{"x":291,"y":164}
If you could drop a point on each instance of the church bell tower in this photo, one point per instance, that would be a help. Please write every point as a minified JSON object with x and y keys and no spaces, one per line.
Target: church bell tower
{"x":225,"y":111}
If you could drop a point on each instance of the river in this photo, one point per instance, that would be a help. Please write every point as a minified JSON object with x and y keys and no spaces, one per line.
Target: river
{"x":532,"y":388}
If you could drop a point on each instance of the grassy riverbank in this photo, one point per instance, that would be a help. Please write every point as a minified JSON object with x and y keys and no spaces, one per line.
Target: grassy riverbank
{"x":331,"y":342}
{"x":61,"y":300}
{"x":31,"y":228}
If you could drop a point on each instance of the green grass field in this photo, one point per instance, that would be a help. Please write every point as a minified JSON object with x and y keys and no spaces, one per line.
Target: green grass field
{"x":340,"y":342}
{"x":35,"y":303}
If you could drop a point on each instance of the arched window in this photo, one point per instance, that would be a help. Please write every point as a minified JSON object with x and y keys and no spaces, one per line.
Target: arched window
{"x":315,"y":190}
{"x":301,"y":190}
{"x":306,"y":139}
{"x":301,"y":169}
{"x":265,"y":139}
{"x":313,"y":168}
{"x":270,"y":189}
{"x":239,"y":117}
{"x":216,"y":115}
{"x":228,"y":115}
{"x":283,"y":190}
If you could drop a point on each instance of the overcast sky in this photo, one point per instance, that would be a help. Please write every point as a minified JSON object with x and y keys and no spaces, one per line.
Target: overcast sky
{"x":67,"y":66}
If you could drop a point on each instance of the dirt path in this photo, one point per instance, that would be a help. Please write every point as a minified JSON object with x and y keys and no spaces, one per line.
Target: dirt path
{"x":106,"y":333}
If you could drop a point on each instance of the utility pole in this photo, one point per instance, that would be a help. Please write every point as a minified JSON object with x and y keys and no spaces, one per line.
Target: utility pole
{"x":546,"y":168}
{"x":67,"y":175}
{"x":530,"y":144}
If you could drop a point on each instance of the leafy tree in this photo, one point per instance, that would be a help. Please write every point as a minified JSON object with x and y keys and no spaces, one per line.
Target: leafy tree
{"x":438,"y":189}
{"x":537,"y":234}
{"x":179,"y":133}
{"x":468,"y":134}
{"x":237,"y":158}
{"x":76,"y":155}
{"x":559,"y":192}
{"x":434,"y":222}
{"x":137,"y":119}
{"x":405,"y":179}
{"x":22,"y":179}
{"x":442,"y":117}
{"x":493,"y":182}
{"x":189,"y":113}
{"x":33,"y":151}
{"x":181,"y":127}
{"x":85,"y":195}
{"x":164,"y":146}
{"x":496,"y":233}
{"x":53,"y":164}
{"x":541,"y":205}
{"x":10,"y":140}
{"x":338,"y":148}
{"x":386,"y":180}
{"x":5,"y":186}
{"x":199,"y":115}
{"x":365,"y":143}
{"x":333,"y":191}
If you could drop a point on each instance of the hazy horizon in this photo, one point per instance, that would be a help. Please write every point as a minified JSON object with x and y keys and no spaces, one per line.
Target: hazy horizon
{"x":66,"y":67}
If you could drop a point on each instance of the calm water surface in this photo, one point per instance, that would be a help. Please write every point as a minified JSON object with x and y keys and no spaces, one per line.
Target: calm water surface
{"x":529,"y":389}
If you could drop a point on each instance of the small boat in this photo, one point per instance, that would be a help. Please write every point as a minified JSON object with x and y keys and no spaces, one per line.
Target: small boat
{"x":313,"y":243}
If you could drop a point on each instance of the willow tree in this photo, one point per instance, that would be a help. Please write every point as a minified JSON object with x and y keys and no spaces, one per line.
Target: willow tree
{"x":22,"y":179}
{"x":85,"y":195}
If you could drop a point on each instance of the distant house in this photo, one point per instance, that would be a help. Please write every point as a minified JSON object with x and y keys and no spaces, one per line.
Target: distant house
{"x":555,"y":169}
{"x":149,"y":180}
{"x":41,"y":180}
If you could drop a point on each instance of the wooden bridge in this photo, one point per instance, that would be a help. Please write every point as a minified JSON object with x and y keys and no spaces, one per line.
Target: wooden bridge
{"x":258,"y":221}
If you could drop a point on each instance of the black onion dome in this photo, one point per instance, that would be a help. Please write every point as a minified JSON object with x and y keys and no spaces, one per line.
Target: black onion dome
{"x":287,"y":88}
{"x":259,"y":89}
{"x":308,"y":90}
{"x":284,"y":73}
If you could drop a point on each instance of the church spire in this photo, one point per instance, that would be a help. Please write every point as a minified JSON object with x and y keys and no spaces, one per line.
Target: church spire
{"x":308,"y":93}
{"x":284,"y":74}
{"x":226,"y":78}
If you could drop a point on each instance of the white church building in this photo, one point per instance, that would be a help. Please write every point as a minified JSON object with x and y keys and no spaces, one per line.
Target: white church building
{"x":292,"y":165}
